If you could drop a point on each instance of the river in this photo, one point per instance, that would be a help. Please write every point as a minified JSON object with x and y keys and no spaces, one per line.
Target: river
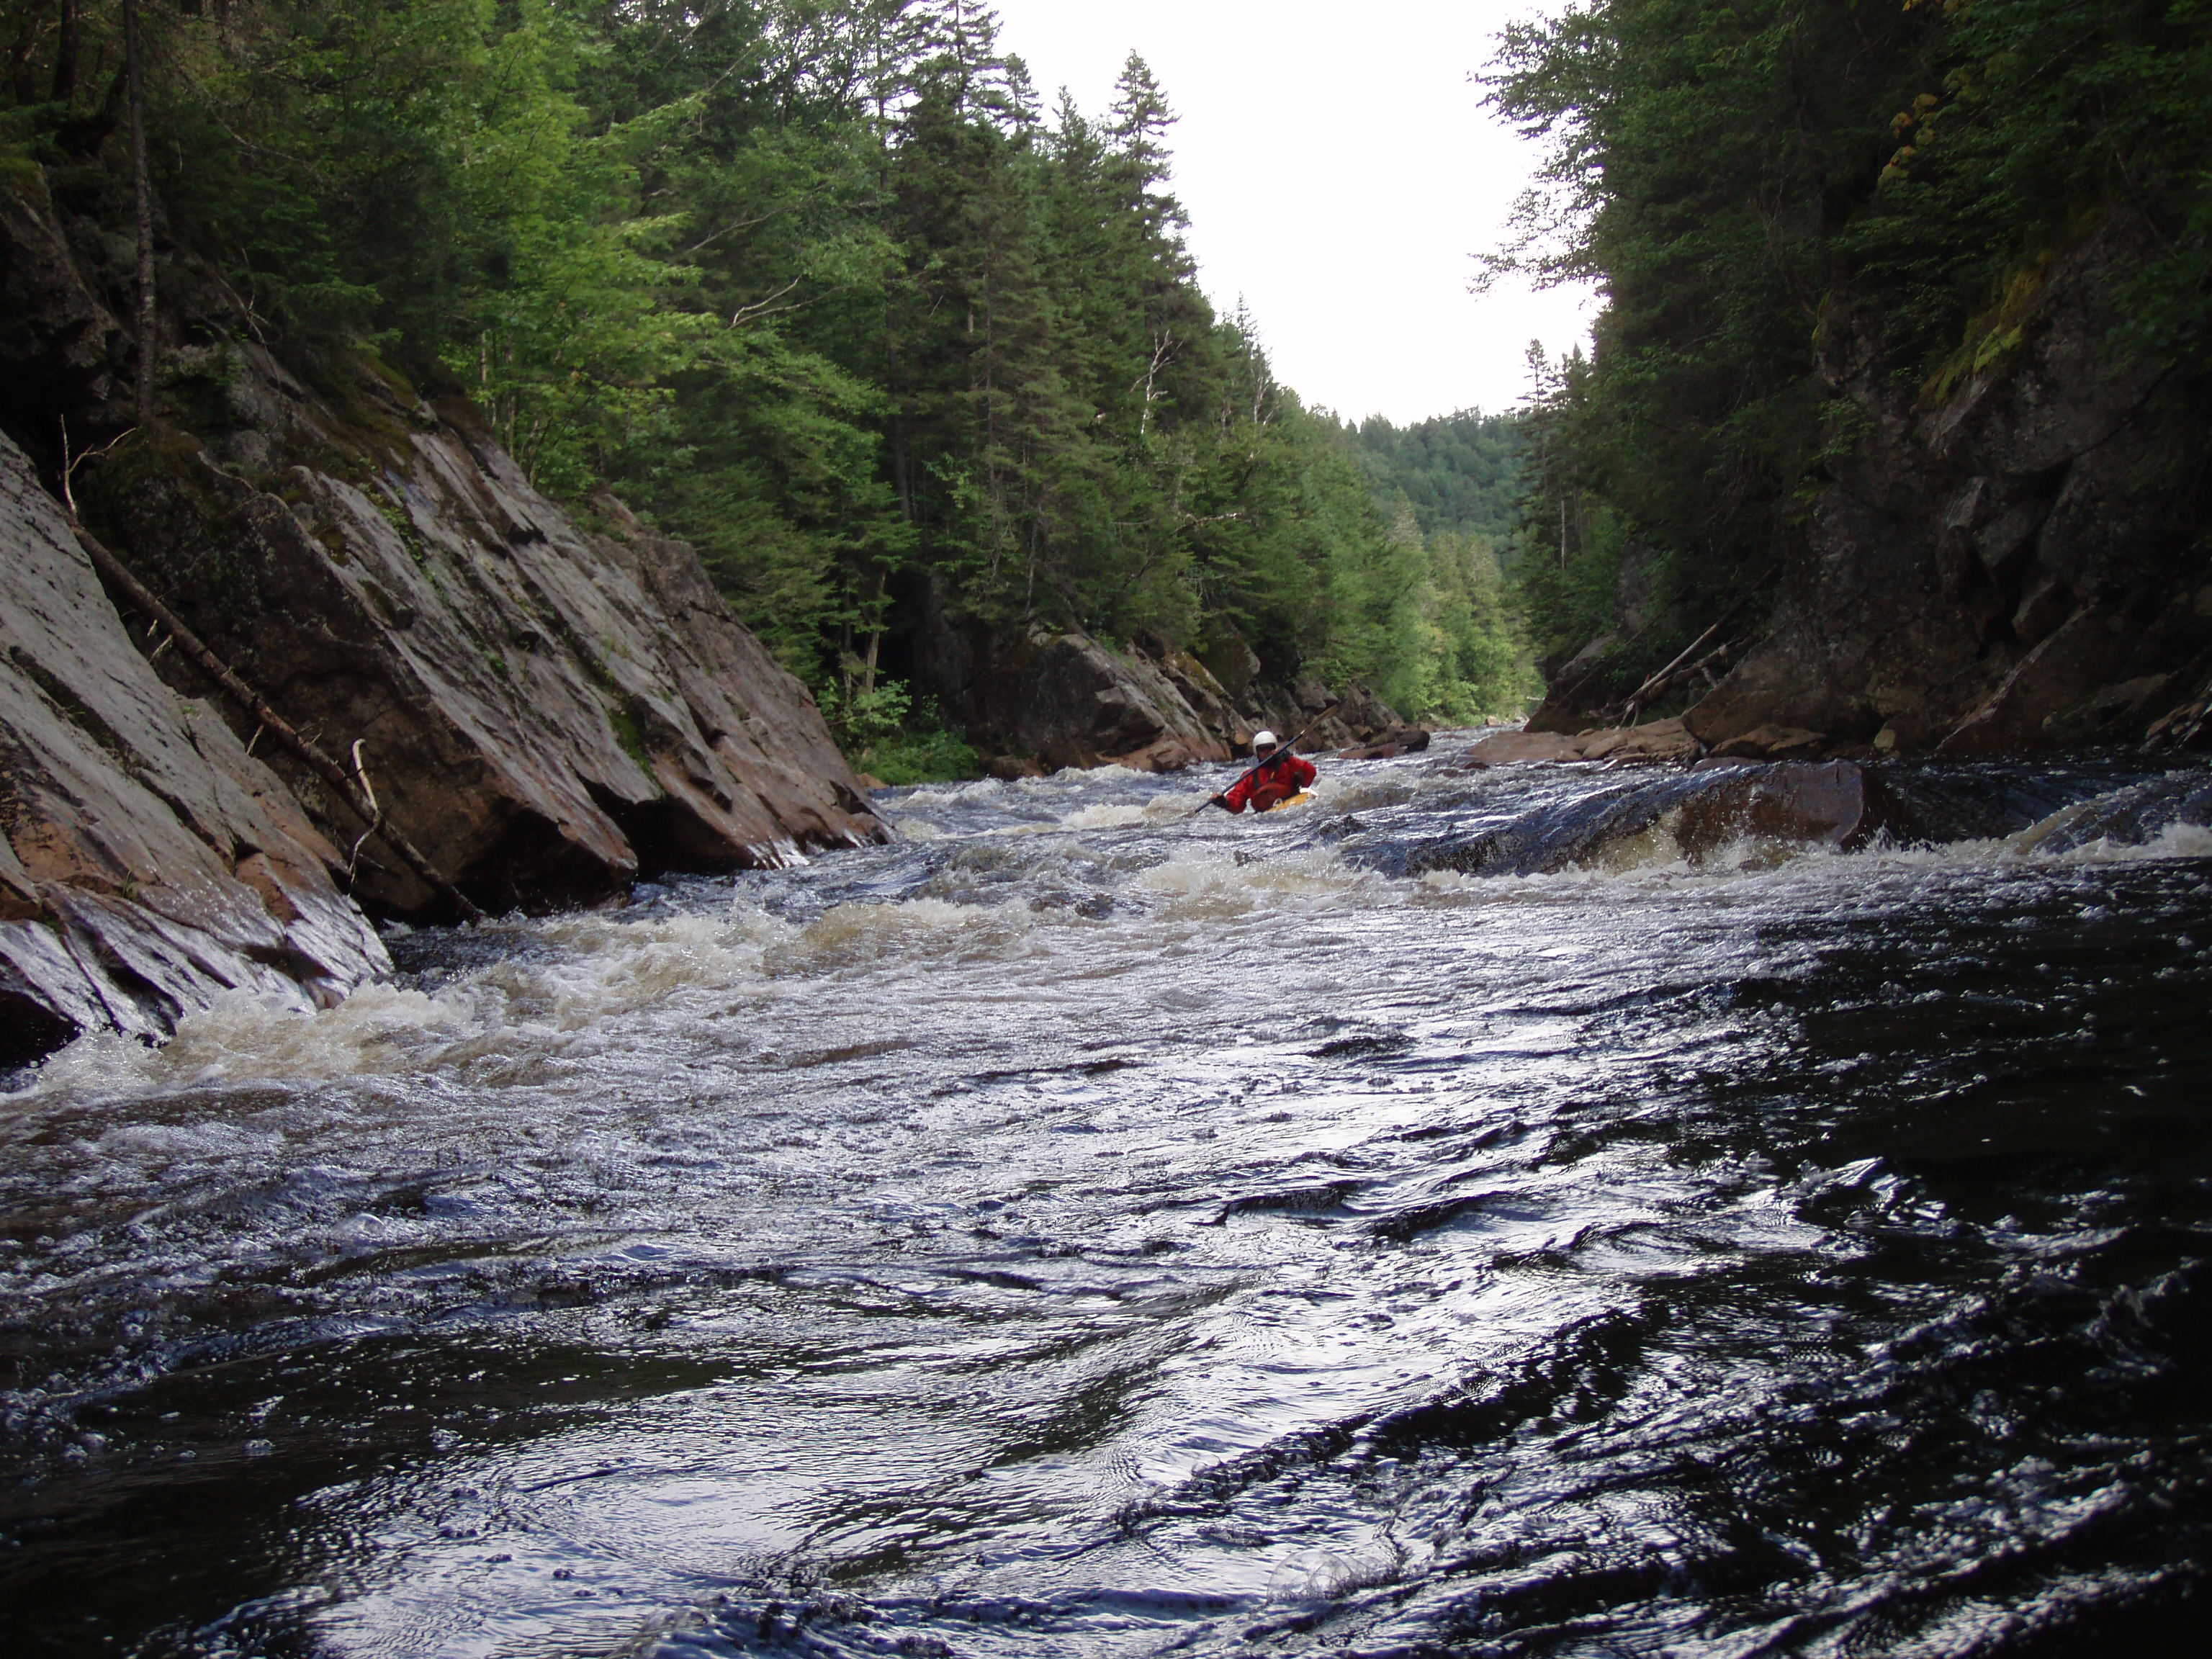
{"x":1083,"y":1230}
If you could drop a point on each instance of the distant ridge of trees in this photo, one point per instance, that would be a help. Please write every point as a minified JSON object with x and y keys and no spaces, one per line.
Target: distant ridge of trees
{"x":1463,"y":473}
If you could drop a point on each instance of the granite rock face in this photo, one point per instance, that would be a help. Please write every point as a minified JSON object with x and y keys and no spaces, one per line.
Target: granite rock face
{"x":548,"y":711}
{"x":2019,"y":565}
{"x":147,"y":863}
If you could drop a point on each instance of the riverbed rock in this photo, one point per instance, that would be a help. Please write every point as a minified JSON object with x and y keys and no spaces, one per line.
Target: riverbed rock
{"x":1517,"y":747}
{"x":1652,"y":743}
{"x":2127,"y":817}
{"x":147,"y":863}
{"x":1773,"y":743}
{"x":1406,"y":740}
{"x":1827,"y":804}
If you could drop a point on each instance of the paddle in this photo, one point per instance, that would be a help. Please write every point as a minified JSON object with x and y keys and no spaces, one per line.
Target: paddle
{"x":1295,"y":738}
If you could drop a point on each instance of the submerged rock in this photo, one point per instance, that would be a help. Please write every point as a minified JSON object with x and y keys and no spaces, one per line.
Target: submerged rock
{"x":1734,"y":809}
{"x":2130,"y":817}
{"x":148,"y":863}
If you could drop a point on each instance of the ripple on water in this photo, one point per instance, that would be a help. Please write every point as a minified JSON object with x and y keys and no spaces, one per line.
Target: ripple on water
{"x":1132,"y":1235}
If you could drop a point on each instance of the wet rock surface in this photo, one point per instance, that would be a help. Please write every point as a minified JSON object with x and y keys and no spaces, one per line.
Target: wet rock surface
{"x":1735,"y":809}
{"x":149,"y":864}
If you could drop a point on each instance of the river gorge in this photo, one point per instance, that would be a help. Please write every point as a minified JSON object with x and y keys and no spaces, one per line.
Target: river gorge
{"x":1080,"y":1228}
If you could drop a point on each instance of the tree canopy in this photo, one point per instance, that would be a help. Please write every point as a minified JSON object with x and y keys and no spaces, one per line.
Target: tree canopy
{"x":818,"y":285}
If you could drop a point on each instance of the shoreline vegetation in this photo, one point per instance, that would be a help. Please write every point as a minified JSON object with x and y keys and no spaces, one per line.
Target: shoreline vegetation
{"x":912,"y":355}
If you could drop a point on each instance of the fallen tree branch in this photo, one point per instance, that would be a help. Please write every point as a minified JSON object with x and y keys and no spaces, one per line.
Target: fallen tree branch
{"x":1702,"y":665}
{"x":1665,"y":673}
{"x":362,"y":803}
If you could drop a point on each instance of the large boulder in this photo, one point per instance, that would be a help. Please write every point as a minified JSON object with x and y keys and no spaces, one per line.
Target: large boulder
{"x":1792,"y":803}
{"x":547,"y":711}
{"x":147,"y":863}
{"x":1065,"y":699}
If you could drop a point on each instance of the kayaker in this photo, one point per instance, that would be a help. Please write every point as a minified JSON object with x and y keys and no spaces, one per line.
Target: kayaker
{"x":1280,"y":776}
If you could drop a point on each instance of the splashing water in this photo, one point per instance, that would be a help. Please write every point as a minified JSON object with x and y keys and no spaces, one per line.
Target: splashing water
{"x":1083,"y":1230}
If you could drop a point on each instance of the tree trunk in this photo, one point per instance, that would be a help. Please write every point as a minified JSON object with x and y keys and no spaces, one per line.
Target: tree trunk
{"x":142,"y":202}
{"x":65,"y":55}
{"x":19,"y":58}
{"x":875,"y":624}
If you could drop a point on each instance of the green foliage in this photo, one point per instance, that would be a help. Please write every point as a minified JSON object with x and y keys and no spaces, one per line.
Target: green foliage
{"x":1745,"y":176}
{"x":895,"y":737}
{"x":815,"y":285}
{"x":1461,"y":474}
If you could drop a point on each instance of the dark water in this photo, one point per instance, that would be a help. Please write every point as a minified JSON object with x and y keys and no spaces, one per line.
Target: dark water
{"x":1082,"y":1231}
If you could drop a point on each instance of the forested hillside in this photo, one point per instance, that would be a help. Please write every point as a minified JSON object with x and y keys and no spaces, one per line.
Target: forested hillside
{"x":1857,"y":259}
{"x":822,"y":286}
{"x":1455,"y":484}
{"x":1461,"y":474}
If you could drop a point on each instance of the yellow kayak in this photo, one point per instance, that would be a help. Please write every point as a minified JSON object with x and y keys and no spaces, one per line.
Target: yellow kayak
{"x":1298,"y":799}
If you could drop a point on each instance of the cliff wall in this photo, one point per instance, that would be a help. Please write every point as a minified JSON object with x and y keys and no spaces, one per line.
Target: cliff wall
{"x":2017,"y":561}
{"x":547,"y":709}
{"x":148,"y":862}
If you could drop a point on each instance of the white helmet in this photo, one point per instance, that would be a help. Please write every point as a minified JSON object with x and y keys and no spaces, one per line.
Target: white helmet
{"x":1262,"y":740}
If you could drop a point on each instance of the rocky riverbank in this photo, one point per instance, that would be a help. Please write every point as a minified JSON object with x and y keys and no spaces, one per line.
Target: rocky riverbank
{"x":547,"y":709}
{"x":2009,"y":561}
{"x":1043,"y":701}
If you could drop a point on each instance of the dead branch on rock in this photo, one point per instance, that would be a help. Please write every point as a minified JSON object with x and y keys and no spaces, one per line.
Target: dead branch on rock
{"x":1680,"y":668}
{"x":357,"y":798}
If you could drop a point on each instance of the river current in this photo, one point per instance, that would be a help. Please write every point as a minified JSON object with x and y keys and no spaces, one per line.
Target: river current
{"x":1086,"y":1230}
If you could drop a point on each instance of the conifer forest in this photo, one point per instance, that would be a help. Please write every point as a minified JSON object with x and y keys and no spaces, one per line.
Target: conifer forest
{"x":1816,"y":224}
{"x":825,"y":288}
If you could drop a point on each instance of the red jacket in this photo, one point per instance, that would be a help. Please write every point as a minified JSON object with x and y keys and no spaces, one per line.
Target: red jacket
{"x":1277,"y":779}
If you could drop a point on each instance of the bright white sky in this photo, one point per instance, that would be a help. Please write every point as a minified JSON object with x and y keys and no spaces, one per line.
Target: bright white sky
{"x":1339,"y":171}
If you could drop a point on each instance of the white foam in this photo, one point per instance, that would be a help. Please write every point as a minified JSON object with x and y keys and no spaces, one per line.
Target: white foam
{"x":1112,"y":816}
{"x":855,"y":934}
{"x":2175,"y":841}
{"x":1205,"y":885}
{"x":950,"y":794}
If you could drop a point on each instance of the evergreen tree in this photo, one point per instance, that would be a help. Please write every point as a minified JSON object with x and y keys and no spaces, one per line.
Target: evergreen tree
{"x":811,"y":284}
